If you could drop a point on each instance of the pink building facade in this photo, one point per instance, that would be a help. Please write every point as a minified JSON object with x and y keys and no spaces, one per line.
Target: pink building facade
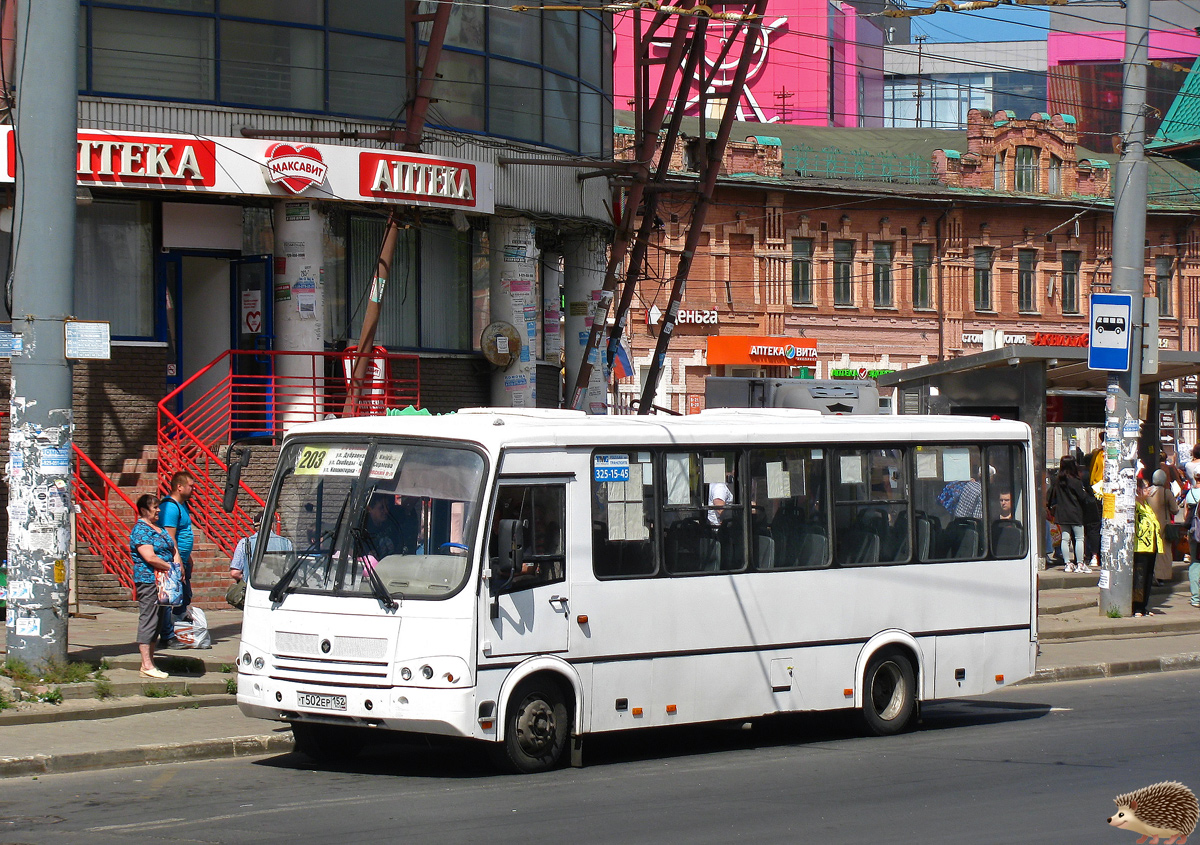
{"x":815,"y":63}
{"x":1084,"y":78}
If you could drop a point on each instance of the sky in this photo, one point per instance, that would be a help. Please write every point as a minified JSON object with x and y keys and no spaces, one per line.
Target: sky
{"x":1005,"y":23}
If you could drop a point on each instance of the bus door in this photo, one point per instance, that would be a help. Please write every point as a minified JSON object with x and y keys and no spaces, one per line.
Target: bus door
{"x":527,"y":596}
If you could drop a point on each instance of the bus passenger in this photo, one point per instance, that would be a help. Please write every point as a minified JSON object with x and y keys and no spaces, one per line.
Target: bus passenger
{"x":380,"y":534}
{"x":719,"y":495}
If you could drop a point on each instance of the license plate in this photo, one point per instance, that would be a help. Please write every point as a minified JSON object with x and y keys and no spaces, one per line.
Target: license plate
{"x":321,"y":701}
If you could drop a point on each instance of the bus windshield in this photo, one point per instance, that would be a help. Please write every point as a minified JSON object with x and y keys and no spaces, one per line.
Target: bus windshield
{"x":361,"y":518}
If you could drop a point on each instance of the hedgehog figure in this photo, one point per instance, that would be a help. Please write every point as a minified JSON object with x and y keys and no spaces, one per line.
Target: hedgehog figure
{"x":1164,"y":810}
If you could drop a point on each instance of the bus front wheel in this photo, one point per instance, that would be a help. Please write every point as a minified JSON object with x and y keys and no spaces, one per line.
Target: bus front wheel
{"x":889,"y":693}
{"x":327,"y":744}
{"x":537,"y":726}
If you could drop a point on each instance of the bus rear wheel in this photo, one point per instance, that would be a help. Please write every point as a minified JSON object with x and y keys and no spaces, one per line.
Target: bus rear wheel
{"x":537,"y":727}
{"x":889,"y":693}
{"x":327,"y":744}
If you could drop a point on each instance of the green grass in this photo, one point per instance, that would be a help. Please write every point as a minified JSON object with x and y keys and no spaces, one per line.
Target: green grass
{"x":231,"y":686}
{"x":103,"y":688}
{"x":4,"y":702}
{"x":1114,"y":613}
{"x":55,"y":672}
{"x":153,"y":691}
{"x":228,"y":668}
{"x":51,"y":696}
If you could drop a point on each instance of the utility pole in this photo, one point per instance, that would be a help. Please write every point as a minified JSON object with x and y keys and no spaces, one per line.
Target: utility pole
{"x":39,"y":469}
{"x":920,"y":39}
{"x":783,"y":108}
{"x":1122,"y":405}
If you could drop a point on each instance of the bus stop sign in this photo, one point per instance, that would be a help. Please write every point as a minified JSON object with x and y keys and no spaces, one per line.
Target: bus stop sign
{"x":1108,"y":342}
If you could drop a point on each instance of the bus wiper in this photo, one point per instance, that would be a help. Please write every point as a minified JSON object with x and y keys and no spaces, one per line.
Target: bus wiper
{"x":361,"y":541}
{"x":281,"y":586}
{"x":379,"y":589}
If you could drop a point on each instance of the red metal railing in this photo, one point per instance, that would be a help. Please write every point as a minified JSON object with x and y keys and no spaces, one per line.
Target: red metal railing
{"x":104,"y":519}
{"x":254,"y":393}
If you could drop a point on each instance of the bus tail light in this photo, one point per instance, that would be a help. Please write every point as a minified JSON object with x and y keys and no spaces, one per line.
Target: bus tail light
{"x":487,"y":726}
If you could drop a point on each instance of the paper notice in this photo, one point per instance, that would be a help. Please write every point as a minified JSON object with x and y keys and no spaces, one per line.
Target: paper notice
{"x":956,"y":465}
{"x":779,"y":483}
{"x":926,"y":464}
{"x":714,"y":470}
{"x":851,"y":469}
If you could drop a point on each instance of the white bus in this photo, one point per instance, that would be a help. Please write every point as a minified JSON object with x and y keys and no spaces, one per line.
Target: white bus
{"x":527,"y":578}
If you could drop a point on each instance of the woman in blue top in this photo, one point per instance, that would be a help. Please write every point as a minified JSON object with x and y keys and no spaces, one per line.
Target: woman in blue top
{"x":152,"y":550}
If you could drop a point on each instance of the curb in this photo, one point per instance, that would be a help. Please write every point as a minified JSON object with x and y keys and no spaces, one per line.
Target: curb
{"x":1091,"y":671}
{"x":114,"y":710}
{"x":204,"y":749}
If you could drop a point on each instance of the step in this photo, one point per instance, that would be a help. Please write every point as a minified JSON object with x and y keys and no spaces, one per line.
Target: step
{"x":193,"y":662}
{"x":129,"y":682}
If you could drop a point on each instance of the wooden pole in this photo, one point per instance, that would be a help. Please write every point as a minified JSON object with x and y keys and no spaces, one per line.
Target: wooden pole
{"x":366,"y":338}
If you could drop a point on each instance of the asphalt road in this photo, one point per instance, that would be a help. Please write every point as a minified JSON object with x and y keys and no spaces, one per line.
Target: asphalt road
{"x":1030,"y":764}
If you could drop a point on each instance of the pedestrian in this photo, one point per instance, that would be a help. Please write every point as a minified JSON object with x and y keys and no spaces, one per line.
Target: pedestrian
{"x":1192,"y":524}
{"x":1164,"y":505}
{"x":1192,"y":467}
{"x":152,"y":550}
{"x":1147,"y":543}
{"x":1066,"y":503}
{"x":1092,"y":478}
{"x":176,"y":519}
{"x":244,"y":550}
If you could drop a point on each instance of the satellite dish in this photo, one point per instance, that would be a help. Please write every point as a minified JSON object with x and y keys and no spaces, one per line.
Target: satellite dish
{"x":501,"y":343}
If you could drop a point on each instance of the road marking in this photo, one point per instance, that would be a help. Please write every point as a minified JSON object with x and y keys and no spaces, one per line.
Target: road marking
{"x":279,"y":808}
{"x":1061,"y":709}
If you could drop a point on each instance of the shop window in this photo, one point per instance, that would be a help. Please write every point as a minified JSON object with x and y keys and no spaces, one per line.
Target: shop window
{"x":1164,"y":267}
{"x":882,"y":276}
{"x":1070,"y":282}
{"x":114,"y":266}
{"x":922,"y":255}
{"x":1027,"y":280}
{"x":515,"y":108}
{"x":432,"y":296}
{"x":843,"y":272}
{"x":152,"y":55}
{"x":802,"y":289}
{"x":983,"y":278}
{"x":1027,"y":169}
{"x":365,"y":74}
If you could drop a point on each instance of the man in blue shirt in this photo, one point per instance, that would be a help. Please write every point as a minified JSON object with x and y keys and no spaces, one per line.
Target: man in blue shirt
{"x":245,"y":549}
{"x":174,"y":517}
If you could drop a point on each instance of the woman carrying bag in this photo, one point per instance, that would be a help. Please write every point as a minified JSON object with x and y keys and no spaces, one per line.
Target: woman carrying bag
{"x":1066,"y":501}
{"x":153,"y":552}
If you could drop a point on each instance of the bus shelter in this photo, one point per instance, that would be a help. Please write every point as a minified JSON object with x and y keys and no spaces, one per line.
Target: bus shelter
{"x":1048,"y":387}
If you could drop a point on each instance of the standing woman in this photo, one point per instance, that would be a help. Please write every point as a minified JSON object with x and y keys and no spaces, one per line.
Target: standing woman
{"x":1162,"y":502}
{"x":1066,"y":499}
{"x":152,"y":550}
{"x":1147,"y":543}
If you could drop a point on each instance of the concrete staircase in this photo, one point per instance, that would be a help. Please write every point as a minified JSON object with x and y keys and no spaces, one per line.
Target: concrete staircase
{"x":210,"y":574}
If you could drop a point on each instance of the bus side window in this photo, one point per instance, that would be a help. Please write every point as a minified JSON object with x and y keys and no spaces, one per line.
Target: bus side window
{"x":623,"y":515}
{"x":538,"y":513}
{"x":871,"y":507}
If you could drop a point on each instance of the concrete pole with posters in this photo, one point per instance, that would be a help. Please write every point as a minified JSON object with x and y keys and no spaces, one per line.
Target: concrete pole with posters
{"x":299,"y":303}
{"x":1122,"y":406}
{"x":39,"y":502}
{"x":584,"y":263}
{"x":516,"y":299}
{"x":552,"y":287}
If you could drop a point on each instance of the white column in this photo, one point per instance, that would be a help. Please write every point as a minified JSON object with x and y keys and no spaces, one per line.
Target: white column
{"x":585,"y":259}
{"x":515,"y":299}
{"x":299,"y":310}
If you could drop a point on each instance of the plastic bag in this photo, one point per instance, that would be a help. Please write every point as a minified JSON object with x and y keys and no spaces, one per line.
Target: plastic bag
{"x":192,"y":630}
{"x":170,"y":585}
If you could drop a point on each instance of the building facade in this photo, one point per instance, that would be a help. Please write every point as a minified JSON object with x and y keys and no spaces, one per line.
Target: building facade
{"x":847,"y":263}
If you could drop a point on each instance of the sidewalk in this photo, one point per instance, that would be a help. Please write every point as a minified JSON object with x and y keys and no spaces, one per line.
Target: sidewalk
{"x":201,"y":720}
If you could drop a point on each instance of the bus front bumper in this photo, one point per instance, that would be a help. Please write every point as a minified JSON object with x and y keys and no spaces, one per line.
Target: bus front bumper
{"x":445,"y":712}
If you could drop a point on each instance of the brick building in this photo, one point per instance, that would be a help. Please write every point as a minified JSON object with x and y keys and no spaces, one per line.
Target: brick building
{"x":897,"y":247}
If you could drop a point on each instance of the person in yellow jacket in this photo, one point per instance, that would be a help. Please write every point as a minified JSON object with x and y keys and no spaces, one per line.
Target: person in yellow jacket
{"x":1147,"y":544}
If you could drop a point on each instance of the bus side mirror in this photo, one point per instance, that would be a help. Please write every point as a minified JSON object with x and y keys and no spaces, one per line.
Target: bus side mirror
{"x":233,"y":478}
{"x":511,"y":539}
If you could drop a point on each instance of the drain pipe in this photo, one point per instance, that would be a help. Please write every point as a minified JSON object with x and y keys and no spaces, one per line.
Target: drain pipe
{"x":941,"y":285}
